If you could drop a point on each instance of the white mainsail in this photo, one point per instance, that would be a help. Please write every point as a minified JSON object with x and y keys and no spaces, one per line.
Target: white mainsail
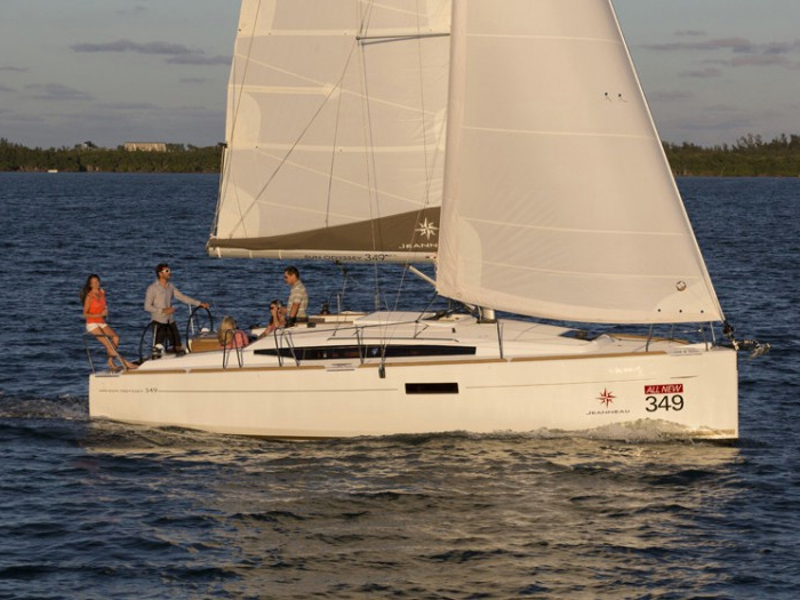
{"x":559,"y":201}
{"x":335,"y":130}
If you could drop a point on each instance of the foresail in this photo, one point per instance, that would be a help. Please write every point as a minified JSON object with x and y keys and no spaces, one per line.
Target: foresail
{"x":335,"y":130}
{"x":558,"y":200}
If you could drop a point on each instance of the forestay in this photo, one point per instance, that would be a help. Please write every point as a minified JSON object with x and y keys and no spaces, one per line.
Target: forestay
{"x":335,"y":130}
{"x":559,"y":201}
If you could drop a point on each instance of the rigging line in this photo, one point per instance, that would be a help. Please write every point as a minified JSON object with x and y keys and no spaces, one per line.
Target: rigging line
{"x":336,"y":134}
{"x":333,"y":159}
{"x":369,"y":155}
{"x":222,"y":167}
{"x":372,"y":185}
{"x":428,"y":168}
{"x":302,"y":133}
{"x":399,"y":36}
{"x":234,"y":123}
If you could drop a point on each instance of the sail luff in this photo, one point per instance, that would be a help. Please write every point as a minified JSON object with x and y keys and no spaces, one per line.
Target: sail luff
{"x":558,"y":200}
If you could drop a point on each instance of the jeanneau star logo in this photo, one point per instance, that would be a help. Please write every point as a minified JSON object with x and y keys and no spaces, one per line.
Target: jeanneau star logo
{"x":426,"y":228}
{"x":606,"y":397}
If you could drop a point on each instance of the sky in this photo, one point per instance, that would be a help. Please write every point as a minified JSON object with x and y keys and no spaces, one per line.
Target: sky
{"x":111,"y":71}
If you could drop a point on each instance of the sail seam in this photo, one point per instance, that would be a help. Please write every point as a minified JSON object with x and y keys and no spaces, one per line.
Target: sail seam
{"x":558,"y":133}
{"x":574,"y":230}
{"x":506,"y":36}
{"x":323,"y":89}
{"x":339,"y":179}
{"x":638,"y":276}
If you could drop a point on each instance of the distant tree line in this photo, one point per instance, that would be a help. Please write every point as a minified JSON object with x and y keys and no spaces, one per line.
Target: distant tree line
{"x":750,"y":156}
{"x":88,"y":157}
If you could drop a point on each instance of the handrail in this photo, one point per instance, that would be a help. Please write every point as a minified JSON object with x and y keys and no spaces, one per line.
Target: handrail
{"x":649,"y":338}
{"x":277,"y":341}
{"x":500,"y":338}
{"x":225,"y":350}
{"x":88,"y":352}
{"x":281,"y":334}
{"x":361,"y":350}
{"x":290,"y":345}
{"x":87,"y":335}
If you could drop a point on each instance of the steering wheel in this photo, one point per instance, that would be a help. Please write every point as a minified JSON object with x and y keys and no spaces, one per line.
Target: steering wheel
{"x":199,"y":319}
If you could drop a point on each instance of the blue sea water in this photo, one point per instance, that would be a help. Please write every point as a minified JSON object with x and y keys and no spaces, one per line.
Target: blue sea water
{"x":99,"y":510}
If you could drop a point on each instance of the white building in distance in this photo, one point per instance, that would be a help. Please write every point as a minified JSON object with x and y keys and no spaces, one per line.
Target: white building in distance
{"x":145,"y":146}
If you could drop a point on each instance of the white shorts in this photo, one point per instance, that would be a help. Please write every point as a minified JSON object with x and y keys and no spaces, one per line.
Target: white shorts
{"x":90,"y":327}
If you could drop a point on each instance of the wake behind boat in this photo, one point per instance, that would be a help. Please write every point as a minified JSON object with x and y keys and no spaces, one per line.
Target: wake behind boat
{"x":510,"y":143}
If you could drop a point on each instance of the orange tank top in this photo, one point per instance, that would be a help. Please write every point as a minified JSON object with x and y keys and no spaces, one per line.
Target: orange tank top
{"x":97,"y":306}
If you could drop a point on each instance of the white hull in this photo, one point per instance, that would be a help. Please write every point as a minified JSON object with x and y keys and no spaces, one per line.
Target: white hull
{"x":684,"y":389}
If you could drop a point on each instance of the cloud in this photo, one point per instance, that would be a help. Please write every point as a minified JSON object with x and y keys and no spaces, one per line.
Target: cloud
{"x":691,"y":33}
{"x":136,"y":10}
{"x":128,"y":106}
{"x":23,"y":118}
{"x":14,"y":69}
{"x":670,"y":96}
{"x":760,"y":60}
{"x":177,"y":54}
{"x":166,"y":48}
{"x":56,"y":91}
{"x":745,"y":53}
{"x":199,"y":60}
{"x":5,"y":88}
{"x":707,"y":73}
{"x":195,"y":80}
{"x":735,"y":44}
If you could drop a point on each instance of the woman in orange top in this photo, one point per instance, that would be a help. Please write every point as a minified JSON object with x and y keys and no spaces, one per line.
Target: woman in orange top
{"x":95,"y":312}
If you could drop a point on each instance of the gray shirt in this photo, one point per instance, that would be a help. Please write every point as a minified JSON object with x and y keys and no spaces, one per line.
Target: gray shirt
{"x":159,"y":297}
{"x":297,"y":295}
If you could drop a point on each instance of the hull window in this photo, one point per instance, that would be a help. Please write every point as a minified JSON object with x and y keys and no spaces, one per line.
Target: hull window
{"x":431,"y":388}
{"x":367,"y":351}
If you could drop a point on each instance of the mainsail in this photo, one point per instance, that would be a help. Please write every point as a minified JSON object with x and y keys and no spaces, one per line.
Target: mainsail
{"x":335,"y":131}
{"x":558,"y":199}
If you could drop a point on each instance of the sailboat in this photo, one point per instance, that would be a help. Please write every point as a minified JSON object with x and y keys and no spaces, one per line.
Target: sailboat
{"x":508,"y":143}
